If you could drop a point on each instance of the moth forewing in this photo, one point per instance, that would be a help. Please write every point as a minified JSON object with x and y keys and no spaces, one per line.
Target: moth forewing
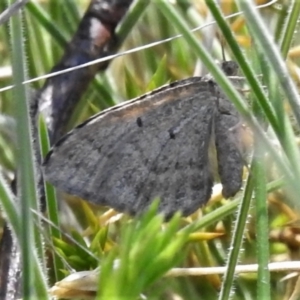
{"x":153,"y":146}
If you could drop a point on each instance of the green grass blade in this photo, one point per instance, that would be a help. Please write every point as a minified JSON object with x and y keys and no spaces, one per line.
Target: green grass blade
{"x":26,"y":180}
{"x":25,"y":163}
{"x":131,"y":19}
{"x":264,"y":39}
{"x":45,"y":20}
{"x":51,"y":201}
{"x":244,"y":65}
{"x":236,"y":243}
{"x":9,"y":206}
{"x":290,"y":27}
{"x":262,"y":225}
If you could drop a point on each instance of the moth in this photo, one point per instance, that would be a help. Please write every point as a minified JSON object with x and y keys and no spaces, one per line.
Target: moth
{"x":156,"y":145}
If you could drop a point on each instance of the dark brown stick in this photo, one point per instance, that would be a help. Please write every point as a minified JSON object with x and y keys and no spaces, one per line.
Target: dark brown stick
{"x":10,"y":259}
{"x":95,"y":38}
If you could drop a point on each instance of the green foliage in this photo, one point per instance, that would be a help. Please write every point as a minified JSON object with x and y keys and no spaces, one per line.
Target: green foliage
{"x":145,"y":253}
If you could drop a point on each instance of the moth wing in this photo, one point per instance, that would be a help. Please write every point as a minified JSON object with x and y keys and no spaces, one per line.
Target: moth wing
{"x":228,"y":147}
{"x":155,"y":145}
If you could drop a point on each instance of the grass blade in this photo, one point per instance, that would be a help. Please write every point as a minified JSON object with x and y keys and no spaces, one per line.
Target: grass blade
{"x":26,"y":178}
